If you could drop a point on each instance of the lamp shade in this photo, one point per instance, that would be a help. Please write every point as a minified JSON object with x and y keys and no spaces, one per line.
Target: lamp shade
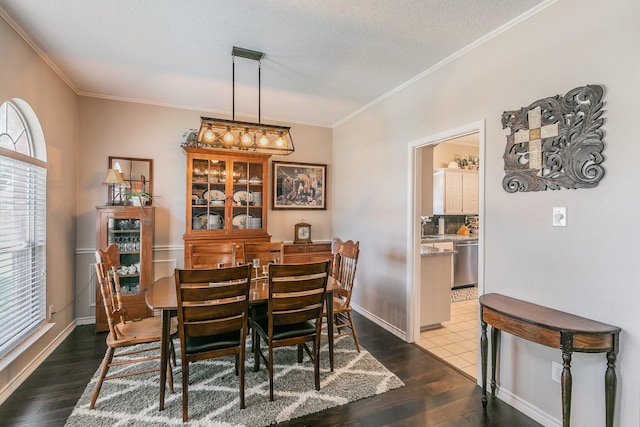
{"x":113,"y":177}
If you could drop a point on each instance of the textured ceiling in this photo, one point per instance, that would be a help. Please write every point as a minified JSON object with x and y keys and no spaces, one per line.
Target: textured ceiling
{"x":324,"y":59}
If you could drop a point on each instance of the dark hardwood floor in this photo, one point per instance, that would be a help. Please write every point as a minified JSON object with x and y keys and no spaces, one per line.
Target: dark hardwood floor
{"x":435,"y":395}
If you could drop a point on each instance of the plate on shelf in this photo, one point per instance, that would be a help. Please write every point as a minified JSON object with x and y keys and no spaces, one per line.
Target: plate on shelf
{"x":217,"y":203}
{"x":242,"y":196}
{"x":240,"y":220}
{"x":243,"y":181}
{"x":213,"y":195}
{"x":255,"y":180}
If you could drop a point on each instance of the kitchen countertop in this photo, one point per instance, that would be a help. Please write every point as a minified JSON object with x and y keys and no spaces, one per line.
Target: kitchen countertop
{"x":448,"y":238}
{"x":429,"y":251}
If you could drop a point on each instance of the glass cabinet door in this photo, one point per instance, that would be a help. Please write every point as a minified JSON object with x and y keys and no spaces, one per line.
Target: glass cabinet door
{"x":126,"y":233}
{"x":247,"y":196}
{"x":227,"y":196}
{"x":208,"y":194}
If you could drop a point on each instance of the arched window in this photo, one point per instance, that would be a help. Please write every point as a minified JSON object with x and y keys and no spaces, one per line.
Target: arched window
{"x":23,"y":179}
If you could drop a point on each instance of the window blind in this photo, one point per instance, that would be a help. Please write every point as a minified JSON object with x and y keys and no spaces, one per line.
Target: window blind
{"x":22,"y":250}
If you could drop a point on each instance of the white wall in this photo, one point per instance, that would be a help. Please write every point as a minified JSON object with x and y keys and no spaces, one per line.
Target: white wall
{"x":588,"y":268}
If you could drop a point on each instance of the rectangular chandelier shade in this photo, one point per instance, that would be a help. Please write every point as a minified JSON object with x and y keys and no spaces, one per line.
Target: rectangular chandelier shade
{"x":247,"y":136}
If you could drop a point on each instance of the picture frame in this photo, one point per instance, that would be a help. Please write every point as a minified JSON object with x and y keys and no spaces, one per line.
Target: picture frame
{"x":299,"y":186}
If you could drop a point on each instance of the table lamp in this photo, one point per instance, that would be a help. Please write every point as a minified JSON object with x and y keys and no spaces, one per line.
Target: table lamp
{"x":113,"y":179}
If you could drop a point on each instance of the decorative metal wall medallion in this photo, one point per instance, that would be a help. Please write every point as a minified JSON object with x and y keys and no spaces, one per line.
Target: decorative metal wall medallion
{"x":555,"y":142}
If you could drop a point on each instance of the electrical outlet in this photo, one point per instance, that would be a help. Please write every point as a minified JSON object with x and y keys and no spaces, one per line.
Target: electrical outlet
{"x":556,"y":371}
{"x":50,"y":312}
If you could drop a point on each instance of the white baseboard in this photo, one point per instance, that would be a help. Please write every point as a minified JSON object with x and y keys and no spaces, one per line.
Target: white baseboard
{"x":506,"y":396}
{"x":37,"y":361}
{"x":527,"y":408}
{"x":89,"y":320}
{"x":380,"y":322}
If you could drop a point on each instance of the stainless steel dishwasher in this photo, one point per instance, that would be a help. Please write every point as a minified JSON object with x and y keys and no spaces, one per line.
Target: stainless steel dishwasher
{"x":465,"y":263}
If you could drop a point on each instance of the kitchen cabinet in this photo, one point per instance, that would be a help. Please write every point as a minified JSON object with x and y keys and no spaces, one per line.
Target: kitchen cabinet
{"x":226,"y":197}
{"x":131,"y":229}
{"x":455,"y":192}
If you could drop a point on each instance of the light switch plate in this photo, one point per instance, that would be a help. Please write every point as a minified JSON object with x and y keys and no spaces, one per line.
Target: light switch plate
{"x":560,"y":217}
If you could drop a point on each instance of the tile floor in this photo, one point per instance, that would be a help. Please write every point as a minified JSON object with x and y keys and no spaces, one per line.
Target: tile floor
{"x":457,"y":341}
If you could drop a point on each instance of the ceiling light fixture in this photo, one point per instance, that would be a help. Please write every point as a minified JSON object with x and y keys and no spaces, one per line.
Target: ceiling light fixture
{"x":237,"y":135}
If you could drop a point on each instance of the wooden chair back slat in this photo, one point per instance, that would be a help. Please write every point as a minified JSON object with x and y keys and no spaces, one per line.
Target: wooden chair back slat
{"x":213,"y":299}
{"x":266,"y":252}
{"x":212,"y":255}
{"x":297,"y":292}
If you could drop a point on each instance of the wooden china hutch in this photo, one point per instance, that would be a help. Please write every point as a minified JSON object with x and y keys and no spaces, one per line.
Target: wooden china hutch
{"x":227,"y":198}
{"x":131,"y":228}
{"x":227,"y":201}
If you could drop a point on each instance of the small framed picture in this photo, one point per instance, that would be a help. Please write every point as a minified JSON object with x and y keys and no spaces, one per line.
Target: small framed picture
{"x":299,"y":186}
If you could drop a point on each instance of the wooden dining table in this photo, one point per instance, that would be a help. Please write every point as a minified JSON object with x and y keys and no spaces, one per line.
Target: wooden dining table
{"x":161,"y":295}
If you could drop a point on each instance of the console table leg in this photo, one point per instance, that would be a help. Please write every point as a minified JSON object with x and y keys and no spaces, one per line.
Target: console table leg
{"x":483,"y":353}
{"x":495,"y":341}
{"x":610,"y":383}
{"x":567,"y":382}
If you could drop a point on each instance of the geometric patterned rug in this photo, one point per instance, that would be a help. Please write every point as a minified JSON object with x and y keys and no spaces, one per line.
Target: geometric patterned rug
{"x":464,"y":294}
{"x":213,"y":391}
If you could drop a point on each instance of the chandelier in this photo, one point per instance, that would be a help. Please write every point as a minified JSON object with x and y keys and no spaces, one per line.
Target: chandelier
{"x":248,"y":136}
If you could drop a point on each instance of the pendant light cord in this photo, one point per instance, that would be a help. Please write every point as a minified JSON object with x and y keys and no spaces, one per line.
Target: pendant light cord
{"x":233,"y":85}
{"x":259,"y":88}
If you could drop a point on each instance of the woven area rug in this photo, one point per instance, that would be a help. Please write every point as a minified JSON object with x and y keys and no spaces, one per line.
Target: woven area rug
{"x":464,"y":294}
{"x":213,"y":391}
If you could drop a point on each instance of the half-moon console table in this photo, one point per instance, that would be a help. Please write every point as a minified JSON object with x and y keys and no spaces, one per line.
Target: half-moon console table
{"x":552,"y":328}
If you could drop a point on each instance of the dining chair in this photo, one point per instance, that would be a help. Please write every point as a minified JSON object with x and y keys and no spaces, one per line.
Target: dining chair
{"x":211,"y":255}
{"x":343,"y":269}
{"x":213,"y":310}
{"x":294,"y":314}
{"x":124,"y":332}
{"x":266,"y":252}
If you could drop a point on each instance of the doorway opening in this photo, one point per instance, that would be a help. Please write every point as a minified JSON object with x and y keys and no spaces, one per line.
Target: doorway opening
{"x":455,"y":341}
